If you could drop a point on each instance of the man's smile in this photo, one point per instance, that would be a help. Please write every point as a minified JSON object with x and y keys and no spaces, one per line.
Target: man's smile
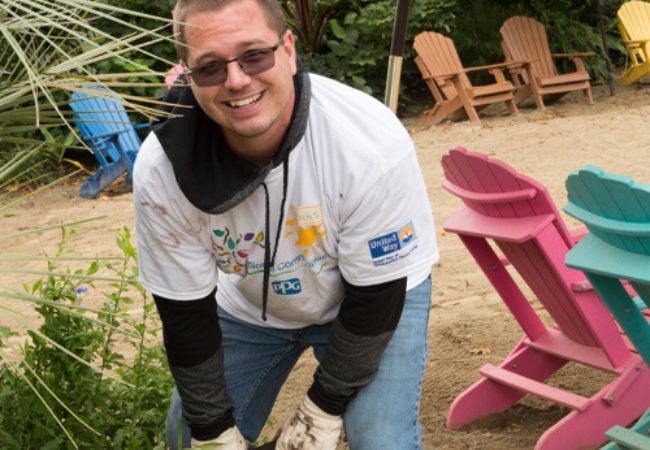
{"x":244,"y":101}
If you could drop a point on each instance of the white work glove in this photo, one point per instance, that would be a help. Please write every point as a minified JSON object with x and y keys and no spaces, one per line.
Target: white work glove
{"x":310,"y":428}
{"x":231,"y":439}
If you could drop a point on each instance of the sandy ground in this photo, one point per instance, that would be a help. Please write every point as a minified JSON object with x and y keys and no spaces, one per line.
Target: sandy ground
{"x":469,"y":325}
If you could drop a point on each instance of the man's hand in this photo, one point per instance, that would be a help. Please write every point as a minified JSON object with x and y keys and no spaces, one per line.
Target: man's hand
{"x":231,"y":439}
{"x":310,"y":428}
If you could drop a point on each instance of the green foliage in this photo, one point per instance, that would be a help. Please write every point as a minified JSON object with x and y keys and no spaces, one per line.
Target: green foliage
{"x":309,"y":20}
{"x":107,"y":369}
{"x":159,"y":8}
{"x":163,"y":49}
{"x":476,"y":33}
{"x":357,"y":44}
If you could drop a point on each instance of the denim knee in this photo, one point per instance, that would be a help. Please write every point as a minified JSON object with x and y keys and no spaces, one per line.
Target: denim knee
{"x":177,"y":432}
{"x":384,"y":415}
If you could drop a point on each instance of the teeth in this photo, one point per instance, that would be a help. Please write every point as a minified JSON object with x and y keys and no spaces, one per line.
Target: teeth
{"x":244,"y":102}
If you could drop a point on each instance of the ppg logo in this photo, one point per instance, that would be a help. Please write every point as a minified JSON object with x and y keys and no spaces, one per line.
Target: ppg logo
{"x":287,"y":287}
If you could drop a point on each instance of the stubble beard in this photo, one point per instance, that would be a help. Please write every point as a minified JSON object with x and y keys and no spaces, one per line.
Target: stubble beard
{"x":257,"y":130}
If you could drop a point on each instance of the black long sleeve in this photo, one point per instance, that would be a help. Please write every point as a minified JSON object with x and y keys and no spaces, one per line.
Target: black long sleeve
{"x":193,"y":343}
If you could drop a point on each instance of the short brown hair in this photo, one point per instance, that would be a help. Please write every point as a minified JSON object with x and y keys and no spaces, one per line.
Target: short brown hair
{"x":185,"y":8}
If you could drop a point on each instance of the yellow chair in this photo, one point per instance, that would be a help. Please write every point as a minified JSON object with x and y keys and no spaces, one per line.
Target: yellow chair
{"x":634,"y":25}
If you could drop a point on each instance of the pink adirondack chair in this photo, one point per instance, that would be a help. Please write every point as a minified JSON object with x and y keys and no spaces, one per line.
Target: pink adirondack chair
{"x":517,"y":214}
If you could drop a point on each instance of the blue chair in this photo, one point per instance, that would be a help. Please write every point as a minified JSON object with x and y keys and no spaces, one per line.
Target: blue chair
{"x":108,"y":131}
{"x":615,"y":257}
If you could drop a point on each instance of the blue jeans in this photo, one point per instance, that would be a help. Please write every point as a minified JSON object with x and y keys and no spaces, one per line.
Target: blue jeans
{"x":384,"y":414}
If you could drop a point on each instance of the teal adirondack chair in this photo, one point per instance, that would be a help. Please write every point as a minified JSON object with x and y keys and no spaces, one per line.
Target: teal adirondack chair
{"x":509,"y":213}
{"x":106,"y":128}
{"x":615,"y":252}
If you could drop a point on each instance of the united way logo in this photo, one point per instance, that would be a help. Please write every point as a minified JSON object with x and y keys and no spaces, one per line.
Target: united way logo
{"x":287,"y":287}
{"x":392,"y":246}
{"x":406,"y":234}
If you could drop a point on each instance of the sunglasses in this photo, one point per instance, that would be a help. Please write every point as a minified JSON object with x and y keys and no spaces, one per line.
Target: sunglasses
{"x":252,"y":62}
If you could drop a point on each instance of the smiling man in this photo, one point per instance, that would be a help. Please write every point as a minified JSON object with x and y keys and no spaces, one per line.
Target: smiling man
{"x":253,"y":111}
{"x":297,"y":205}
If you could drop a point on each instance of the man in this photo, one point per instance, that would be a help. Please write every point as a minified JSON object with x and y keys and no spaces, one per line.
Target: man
{"x":300,"y":201}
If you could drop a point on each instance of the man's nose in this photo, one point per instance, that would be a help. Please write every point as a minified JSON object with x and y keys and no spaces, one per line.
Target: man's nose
{"x":235,"y":76}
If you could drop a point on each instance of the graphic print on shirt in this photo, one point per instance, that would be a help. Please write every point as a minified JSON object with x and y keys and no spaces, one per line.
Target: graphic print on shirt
{"x":393,"y":246}
{"x":306,"y":225}
{"x":290,"y":286}
{"x":303,"y":228}
{"x":233,"y":250}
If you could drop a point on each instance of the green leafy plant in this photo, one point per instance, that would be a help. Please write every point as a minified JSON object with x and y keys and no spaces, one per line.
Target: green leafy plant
{"x":309,"y":19}
{"x":87,"y":377}
{"x":79,"y":377}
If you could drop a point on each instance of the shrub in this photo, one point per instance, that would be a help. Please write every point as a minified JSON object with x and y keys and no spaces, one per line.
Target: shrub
{"x":87,"y":378}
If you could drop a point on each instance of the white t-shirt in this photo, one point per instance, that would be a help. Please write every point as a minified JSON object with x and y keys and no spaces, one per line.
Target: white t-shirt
{"x":356,"y":207}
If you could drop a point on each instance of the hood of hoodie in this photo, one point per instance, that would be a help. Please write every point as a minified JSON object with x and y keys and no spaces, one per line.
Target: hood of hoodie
{"x":208,"y":172}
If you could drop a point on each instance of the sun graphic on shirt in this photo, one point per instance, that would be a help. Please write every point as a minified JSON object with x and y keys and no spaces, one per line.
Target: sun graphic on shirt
{"x":307,"y":232}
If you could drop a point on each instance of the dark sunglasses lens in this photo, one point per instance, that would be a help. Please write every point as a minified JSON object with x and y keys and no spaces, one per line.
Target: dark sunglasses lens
{"x":252,"y":62}
{"x":257,"y":61}
{"x":210,"y":74}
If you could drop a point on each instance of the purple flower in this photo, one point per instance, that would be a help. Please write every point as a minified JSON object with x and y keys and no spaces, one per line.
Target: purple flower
{"x":81,"y":290}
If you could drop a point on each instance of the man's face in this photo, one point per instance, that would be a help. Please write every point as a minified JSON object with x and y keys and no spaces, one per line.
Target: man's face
{"x":251,"y":109}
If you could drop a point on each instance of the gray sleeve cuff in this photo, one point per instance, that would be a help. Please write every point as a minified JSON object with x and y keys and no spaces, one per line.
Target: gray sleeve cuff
{"x":350,"y":363}
{"x":206,"y":406}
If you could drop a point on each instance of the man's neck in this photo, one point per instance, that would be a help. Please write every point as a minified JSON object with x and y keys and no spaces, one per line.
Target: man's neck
{"x":258,"y":150}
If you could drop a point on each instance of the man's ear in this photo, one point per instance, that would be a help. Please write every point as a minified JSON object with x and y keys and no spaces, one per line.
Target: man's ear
{"x":289,"y":46}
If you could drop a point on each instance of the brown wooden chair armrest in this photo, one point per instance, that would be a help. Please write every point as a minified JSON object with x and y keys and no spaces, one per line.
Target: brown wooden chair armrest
{"x":447,"y":76}
{"x":486,"y":67}
{"x":572,"y":55}
{"x":440,"y":80}
{"x":518,"y":64}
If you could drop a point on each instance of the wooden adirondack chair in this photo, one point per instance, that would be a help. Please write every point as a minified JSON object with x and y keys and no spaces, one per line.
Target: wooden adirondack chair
{"x":617,"y":213}
{"x":447,"y":80}
{"x":524,"y":39}
{"x":517,"y":215}
{"x":107,"y":130}
{"x":634,"y":25}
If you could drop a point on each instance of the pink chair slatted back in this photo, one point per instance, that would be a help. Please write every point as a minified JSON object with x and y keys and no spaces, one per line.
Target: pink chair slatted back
{"x":477,"y":173}
{"x":439,"y":54}
{"x":539,"y":261}
{"x":526,"y":40}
